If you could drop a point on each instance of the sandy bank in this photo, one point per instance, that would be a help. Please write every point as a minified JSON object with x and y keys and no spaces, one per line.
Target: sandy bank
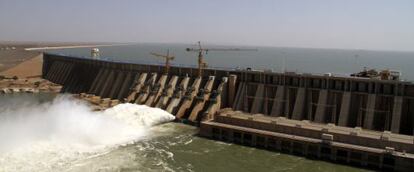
{"x":71,"y":46}
{"x":27,"y":69}
{"x":11,"y":58}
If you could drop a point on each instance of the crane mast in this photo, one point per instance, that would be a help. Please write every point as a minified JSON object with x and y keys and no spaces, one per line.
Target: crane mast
{"x":167,"y":58}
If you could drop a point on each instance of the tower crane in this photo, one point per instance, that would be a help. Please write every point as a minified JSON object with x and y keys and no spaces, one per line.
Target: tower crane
{"x":202,"y":51}
{"x":167,"y":58}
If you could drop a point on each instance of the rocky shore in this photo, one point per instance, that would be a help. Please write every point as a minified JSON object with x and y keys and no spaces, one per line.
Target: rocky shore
{"x":97,"y":103}
{"x":27,"y":85}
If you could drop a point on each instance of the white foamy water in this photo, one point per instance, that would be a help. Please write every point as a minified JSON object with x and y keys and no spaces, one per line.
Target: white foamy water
{"x":55,"y":136}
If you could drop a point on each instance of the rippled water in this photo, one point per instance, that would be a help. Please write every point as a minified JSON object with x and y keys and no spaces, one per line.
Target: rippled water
{"x":166,"y":147}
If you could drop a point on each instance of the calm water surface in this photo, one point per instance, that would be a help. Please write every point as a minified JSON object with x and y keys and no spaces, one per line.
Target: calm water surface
{"x":303,"y":60}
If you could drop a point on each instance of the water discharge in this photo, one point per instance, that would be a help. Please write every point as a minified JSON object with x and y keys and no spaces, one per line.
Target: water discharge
{"x":55,"y":135}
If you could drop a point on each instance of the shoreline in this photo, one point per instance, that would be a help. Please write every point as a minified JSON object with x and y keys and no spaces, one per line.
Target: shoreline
{"x":70,"y":46}
{"x":28,"y":85}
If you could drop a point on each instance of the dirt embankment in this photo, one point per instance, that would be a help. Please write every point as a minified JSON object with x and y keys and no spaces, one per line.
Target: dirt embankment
{"x":30,"y":68}
{"x":20,"y":71}
{"x":11,"y":58}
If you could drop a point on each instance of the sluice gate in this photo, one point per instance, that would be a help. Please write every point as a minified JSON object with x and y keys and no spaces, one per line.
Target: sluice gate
{"x":345,"y":119}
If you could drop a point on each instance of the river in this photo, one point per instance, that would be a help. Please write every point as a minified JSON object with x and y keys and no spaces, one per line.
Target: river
{"x":48,"y":132}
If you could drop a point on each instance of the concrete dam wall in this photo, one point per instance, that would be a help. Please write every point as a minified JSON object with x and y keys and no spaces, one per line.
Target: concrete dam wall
{"x":343,"y":101}
{"x":181,"y":92}
{"x":357,"y":121}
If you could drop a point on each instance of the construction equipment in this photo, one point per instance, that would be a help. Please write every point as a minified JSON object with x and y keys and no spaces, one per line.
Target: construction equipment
{"x":382,"y":75}
{"x":201,"y":51}
{"x":167,"y":58}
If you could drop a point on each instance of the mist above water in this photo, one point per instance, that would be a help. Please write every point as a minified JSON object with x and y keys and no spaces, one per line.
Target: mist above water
{"x":54,"y":135}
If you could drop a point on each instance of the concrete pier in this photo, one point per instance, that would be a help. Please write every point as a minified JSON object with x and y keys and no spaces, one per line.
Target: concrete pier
{"x":188,"y":99}
{"x":215,"y":101}
{"x":232,"y":88}
{"x":145,"y":91}
{"x":117,"y":84}
{"x":156,"y":91}
{"x":299,"y":105}
{"x":396,"y":114}
{"x":239,"y":99}
{"x":258,"y":100}
{"x":107,"y":84}
{"x":345,"y":108}
{"x":278,"y":102}
{"x":178,"y":95}
{"x":370,"y":112}
{"x":321,"y":106}
{"x":201,"y":99}
{"x":167,"y":93}
{"x":125,"y":85}
{"x":371,"y":149}
{"x":138,"y":84}
{"x":95,"y":81}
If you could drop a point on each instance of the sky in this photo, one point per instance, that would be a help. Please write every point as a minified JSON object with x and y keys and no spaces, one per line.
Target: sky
{"x":343,"y":24}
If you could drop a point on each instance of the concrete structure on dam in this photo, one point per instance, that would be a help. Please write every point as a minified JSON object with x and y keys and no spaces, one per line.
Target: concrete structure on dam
{"x":358,"y":121}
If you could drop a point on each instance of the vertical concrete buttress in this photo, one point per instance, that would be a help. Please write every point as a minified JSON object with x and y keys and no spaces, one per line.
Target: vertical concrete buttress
{"x":239,"y":99}
{"x":96,"y":80}
{"x":177,"y":95}
{"x":167,"y":93}
{"x":125,"y":86}
{"x":117,"y":84}
{"x":66,"y":68}
{"x":215,"y":100}
{"x":58,"y":72}
{"x":68,"y":86}
{"x":201,"y":99}
{"x":52,"y":71}
{"x":49,"y":72}
{"x":137,"y":86}
{"x":61,"y":72}
{"x":396,"y":114}
{"x":278,"y":101}
{"x":345,"y":108}
{"x":107,"y":84}
{"x":67,"y":72}
{"x":101,"y":82}
{"x":320,"y":115}
{"x":188,"y":98}
{"x":370,"y":112}
{"x":145,"y":90}
{"x":299,"y":104}
{"x":55,"y":70}
{"x":156,"y":91}
{"x":232,"y":89}
{"x":257,"y":106}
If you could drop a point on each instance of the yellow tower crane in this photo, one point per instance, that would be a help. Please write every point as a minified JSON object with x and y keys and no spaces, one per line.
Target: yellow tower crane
{"x":167,"y":58}
{"x":201,"y":51}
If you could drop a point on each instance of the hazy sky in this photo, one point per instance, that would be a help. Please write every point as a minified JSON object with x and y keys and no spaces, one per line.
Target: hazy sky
{"x":349,"y":24}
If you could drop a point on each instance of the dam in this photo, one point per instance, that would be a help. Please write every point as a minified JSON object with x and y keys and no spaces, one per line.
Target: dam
{"x":350,"y":120}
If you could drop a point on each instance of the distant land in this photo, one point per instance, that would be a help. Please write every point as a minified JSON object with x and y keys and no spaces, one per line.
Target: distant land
{"x":21,"y":58}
